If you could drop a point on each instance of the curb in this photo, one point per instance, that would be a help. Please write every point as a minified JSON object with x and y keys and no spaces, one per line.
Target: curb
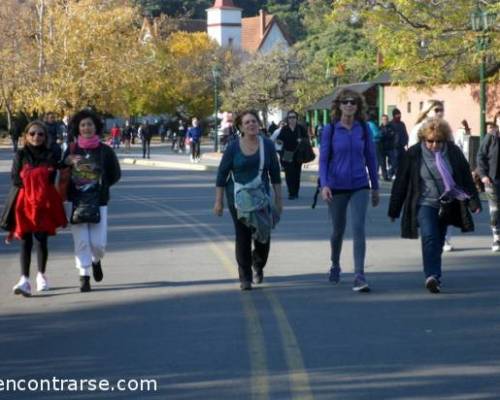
{"x":168,"y":164}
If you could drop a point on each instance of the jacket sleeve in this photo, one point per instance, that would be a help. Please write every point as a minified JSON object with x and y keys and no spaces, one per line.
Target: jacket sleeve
{"x":324,"y":154}
{"x":469,"y":186}
{"x":113,"y":169}
{"x":225,"y":166}
{"x":274,"y":165}
{"x":482,"y":156}
{"x":400,"y":186}
{"x":17,"y":164}
{"x":371,"y":159}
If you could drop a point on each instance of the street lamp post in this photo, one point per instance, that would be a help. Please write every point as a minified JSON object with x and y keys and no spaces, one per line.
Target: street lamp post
{"x":482,"y":21}
{"x":216,"y":73}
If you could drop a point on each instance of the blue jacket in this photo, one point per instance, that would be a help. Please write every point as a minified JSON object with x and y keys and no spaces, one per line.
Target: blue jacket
{"x":343,"y":161}
{"x":194,"y":133}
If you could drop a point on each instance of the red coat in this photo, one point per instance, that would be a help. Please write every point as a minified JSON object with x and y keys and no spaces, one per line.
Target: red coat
{"x":39,"y":208}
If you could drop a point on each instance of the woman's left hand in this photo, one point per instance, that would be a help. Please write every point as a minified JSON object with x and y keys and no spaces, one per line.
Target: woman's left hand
{"x":279,"y":207}
{"x":375,"y":198}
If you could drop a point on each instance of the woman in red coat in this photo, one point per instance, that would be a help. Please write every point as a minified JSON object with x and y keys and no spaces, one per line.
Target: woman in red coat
{"x":34,"y":209}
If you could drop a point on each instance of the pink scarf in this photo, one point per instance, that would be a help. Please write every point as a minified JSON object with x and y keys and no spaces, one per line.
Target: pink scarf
{"x":88,"y":143}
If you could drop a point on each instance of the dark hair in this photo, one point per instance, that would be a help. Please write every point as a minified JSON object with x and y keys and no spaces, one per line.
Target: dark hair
{"x":74,"y":123}
{"x":41,"y":125}
{"x":395,"y":112}
{"x":239,"y":118}
{"x":292,"y":112}
{"x":360,"y":102}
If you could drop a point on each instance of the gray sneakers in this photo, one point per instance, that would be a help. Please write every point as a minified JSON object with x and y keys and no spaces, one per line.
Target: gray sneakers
{"x":360,"y":284}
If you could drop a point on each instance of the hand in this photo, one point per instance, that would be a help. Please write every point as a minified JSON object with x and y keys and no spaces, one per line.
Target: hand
{"x":218,"y":207}
{"x":279,"y":206}
{"x":486,"y":180}
{"x":375,"y":198}
{"x":326,"y":194}
{"x":72,"y":159}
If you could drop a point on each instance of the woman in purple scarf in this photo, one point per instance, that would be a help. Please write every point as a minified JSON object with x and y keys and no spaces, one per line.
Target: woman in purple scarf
{"x":434,"y":188}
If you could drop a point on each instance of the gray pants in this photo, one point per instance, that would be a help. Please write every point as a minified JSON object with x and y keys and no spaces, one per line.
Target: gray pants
{"x":338,"y":214}
{"x":493,"y":195}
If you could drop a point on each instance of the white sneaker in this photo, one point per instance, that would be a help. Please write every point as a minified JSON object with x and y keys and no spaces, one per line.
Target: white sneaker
{"x":496,"y":246}
{"x":447,"y":246}
{"x":23,"y":287}
{"x":41,"y":283}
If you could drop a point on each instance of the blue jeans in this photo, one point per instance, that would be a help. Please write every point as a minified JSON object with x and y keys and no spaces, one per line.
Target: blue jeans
{"x":432,"y":234}
{"x":338,"y":212}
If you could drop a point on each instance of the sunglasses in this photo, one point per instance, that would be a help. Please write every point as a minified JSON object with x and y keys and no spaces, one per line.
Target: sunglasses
{"x":38,"y":133}
{"x":352,"y":102}
{"x":433,"y":141}
{"x":438,"y":110}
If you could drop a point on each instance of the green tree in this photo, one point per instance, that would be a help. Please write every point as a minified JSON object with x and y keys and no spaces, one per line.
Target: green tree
{"x":287,"y":12}
{"x":425,"y":42}
{"x":264,"y":82}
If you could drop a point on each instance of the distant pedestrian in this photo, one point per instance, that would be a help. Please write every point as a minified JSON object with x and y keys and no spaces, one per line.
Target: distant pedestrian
{"x":127,"y":136}
{"x":489,"y":170}
{"x":434,"y":188}
{"x":146,"y":134}
{"x":435,"y":109}
{"x":54,"y":129}
{"x":181,"y":137}
{"x":378,"y":142}
{"x":347,"y":152}
{"x":94,"y":169}
{"x":34,"y":210}
{"x":14,"y":134}
{"x":289,"y":138}
{"x":116,"y":135}
{"x":246,"y":170}
{"x":400,"y":137}
{"x":194,"y":136}
{"x":387,"y":149}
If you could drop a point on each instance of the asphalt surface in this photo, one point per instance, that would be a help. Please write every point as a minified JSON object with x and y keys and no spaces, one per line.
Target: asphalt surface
{"x":170,"y":309}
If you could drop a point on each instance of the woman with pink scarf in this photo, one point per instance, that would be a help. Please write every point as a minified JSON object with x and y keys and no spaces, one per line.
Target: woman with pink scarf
{"x":94,"y":169}
{"x":434,"y":188}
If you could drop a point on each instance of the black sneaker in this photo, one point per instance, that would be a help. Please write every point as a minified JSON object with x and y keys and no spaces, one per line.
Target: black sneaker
{"x":432,"y":284}
{"x":85,"y":284}
{"x":97,"y":271}
{"x":246,"y":285}
{"x":258,"y":274}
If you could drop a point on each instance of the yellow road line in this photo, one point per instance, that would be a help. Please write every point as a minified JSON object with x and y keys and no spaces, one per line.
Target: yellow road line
{"x":255,"y":334}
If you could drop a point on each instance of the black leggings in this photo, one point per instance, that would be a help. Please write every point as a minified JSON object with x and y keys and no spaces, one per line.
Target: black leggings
{"x":244,"y":254}
{"x":42,"y":252}
{"x":195,"y":149}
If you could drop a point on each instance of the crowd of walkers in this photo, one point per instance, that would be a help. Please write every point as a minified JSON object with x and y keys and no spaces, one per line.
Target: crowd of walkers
{"x":43,"y":177}
{"x":433,"y":186}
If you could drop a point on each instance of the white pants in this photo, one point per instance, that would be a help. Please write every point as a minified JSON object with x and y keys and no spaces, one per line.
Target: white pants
{"x":90,"y":242}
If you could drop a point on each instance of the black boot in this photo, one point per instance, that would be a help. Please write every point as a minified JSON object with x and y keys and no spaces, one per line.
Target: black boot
{"x":85,"y":284}
{"x":97,"y":271}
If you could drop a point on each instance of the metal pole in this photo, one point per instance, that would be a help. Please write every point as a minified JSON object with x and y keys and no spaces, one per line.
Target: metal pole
{"x":482,"y":97}
{"x":216,"y":133}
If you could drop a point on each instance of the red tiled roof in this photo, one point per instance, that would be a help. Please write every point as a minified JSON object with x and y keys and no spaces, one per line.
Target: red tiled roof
{"x":251,"y":34}
{"x":224,"y":4}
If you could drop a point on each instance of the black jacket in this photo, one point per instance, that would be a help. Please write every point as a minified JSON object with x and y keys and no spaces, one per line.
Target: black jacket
{"x":111,"y":172}
{"x":487,"y":157}
{"x":291,"y":138}
{"x":26,"y":155}
{"x":406,"y":190}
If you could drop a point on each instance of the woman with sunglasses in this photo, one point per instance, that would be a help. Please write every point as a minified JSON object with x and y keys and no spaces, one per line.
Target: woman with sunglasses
{"x":250,"y":165}
{"x":433,"y":187}
{"x":347,"y":152}
{"x":34,"y":209}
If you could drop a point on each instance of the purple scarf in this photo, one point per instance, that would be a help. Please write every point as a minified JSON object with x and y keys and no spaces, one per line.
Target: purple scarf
{"x":451,"y":189}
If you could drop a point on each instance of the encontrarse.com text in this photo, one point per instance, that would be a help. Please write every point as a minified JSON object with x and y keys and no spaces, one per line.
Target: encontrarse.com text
{"x":77,"y":385}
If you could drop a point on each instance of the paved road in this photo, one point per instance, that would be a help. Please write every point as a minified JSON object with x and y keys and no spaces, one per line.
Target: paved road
{"x":170,"y":309}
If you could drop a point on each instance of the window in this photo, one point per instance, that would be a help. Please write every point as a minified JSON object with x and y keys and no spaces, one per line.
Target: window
{"x":408,"y":107}
{"x":230,"y":42}
{"x":421,"y":106}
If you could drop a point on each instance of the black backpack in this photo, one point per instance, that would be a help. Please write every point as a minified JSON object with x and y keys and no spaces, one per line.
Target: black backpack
{"x":318,"y":186}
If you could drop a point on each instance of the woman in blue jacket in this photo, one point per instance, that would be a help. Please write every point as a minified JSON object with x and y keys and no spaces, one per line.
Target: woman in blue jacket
{"x":347,"y":151}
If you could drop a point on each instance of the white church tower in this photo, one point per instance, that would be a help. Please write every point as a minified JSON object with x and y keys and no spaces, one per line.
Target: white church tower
{"x":224,"y":23}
